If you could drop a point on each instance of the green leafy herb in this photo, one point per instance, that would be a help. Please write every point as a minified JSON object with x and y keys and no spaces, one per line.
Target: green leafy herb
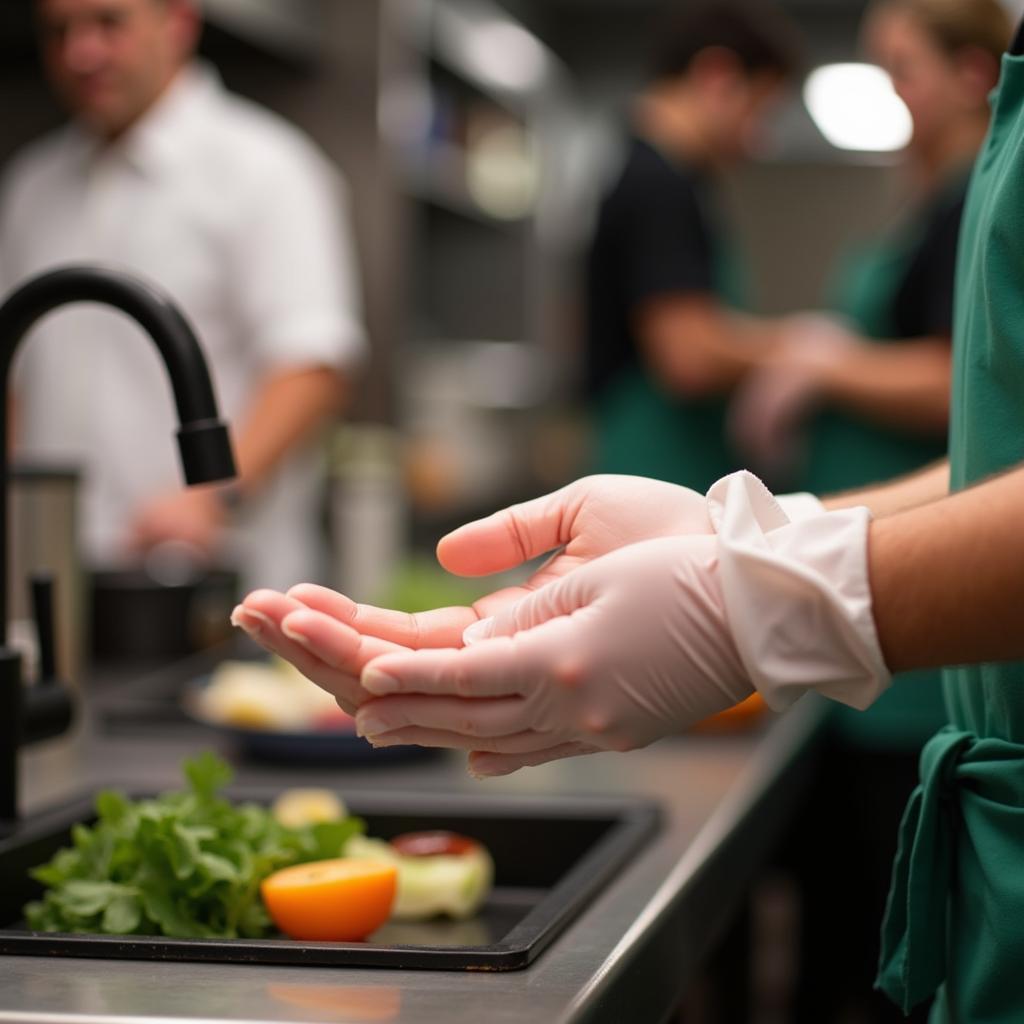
{"x":186,"y":864}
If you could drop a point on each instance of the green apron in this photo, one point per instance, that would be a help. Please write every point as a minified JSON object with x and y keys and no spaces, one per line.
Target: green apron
{"x":846,"y":452}
{"x":955,"y":921}
{"x":641,"y":429}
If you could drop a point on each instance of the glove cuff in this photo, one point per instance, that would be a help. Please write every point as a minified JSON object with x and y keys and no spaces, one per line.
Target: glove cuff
{"x":800,"y":506}
{"x":797,"y":595}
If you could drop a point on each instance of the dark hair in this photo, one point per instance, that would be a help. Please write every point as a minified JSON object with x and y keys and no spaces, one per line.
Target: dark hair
{"x":762,"y":38}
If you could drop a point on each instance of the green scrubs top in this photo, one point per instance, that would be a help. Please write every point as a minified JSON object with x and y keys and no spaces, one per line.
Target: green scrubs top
{"x":847,"y":452}
{"x":955,"y":920}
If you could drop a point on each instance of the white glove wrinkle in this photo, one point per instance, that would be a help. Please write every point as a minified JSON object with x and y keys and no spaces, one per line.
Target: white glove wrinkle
{"x":797,"y":597}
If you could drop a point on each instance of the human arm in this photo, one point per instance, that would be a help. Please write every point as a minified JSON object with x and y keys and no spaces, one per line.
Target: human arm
{"x":287,"y":409}
{"x":910,"y":492}
{"x":292,"y":293}
{"x":946,"y":578}
{"x":904,"y":385}
{"x":695,"y":347}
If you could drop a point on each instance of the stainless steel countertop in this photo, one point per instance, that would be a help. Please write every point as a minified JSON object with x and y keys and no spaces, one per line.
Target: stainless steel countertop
{"x":627,"y":957}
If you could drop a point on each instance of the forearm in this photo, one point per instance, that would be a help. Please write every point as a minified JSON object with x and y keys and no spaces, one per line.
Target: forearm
{"x":287,"y":409}
{"x":696,"y":348}
{"x":946,"y":579}
{"x":911,"y":492}
{"x":903,"y":385}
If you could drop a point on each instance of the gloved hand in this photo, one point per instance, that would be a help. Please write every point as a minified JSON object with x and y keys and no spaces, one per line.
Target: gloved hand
{"x":330,"y":638}
{"x":624,"y":650}
{"x":770,"y":408}
{"x":647,"y":640}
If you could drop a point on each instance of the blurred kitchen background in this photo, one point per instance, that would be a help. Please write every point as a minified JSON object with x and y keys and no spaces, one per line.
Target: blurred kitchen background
{"x":475,"y":136}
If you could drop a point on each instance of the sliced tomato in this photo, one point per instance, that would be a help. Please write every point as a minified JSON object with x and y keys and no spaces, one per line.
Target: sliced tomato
{"x":433,"y":844}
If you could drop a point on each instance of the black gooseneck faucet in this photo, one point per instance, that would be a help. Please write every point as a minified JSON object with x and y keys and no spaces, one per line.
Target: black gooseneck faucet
{"x":43,"y":711}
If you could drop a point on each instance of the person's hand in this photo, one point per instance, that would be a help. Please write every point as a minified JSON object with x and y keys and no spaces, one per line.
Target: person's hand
{"x":621,"y":651}
{"x":331,"y":638}
{"x":770,"y":408}
{"x":193,"y":516}
{"x":649,"y":639}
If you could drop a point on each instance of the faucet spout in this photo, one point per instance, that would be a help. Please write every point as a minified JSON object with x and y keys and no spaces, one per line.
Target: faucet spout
{"x":203,"y":439}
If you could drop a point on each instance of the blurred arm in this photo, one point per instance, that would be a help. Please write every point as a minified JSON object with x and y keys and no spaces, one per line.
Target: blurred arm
{"x":697,"y":348}
{"x":904,"y":385}
{"x":922,"y":488}
{"x":287,"y":409}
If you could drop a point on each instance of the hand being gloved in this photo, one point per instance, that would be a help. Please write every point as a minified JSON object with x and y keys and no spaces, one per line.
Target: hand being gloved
{"x":330,"y":638}
{"x":624,"y":650}
{"x":647,"y":640}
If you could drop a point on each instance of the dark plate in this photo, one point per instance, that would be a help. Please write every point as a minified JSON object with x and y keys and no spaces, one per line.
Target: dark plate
{"x":552,"y":856}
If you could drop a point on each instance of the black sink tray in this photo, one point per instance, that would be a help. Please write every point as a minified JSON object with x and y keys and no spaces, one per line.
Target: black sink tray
{"x":552,"y":855}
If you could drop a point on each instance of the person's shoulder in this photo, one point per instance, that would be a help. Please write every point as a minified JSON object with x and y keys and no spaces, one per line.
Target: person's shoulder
{"x":257,"y":140}
{"x":647,"y":171}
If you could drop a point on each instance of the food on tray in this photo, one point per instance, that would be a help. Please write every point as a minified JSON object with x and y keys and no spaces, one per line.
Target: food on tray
{"x":185,"y":864}
{"x":296,"y":808}
{"x":191,"y":864}
{"x":272,"y":695}
{"x":339,"y":900}
{"x":438,"y":872}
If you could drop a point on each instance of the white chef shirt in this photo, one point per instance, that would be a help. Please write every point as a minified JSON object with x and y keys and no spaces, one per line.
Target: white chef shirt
{"x":239,"y":218}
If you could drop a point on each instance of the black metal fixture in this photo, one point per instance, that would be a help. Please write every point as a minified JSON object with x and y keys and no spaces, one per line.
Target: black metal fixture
{"x":43,"y":711}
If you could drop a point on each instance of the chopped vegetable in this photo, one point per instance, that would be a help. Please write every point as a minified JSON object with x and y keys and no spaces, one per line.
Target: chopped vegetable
{"x":186,"y":864}
{"x":452,"y":876}
{"x":339,"y":900}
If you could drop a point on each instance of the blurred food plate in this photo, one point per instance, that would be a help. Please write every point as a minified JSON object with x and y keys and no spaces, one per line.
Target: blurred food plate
{"x":271,"y":712}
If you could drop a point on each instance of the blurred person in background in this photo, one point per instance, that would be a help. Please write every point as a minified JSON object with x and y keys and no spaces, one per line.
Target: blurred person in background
{"x":239,"y":218}
{"x":878,"y":380}
{"x":665,"y":343}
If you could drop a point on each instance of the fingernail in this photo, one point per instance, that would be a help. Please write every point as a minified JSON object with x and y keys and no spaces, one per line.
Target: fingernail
{"x":480,"y":630}
{"x":368,"y":726}
{"x":379,"y":683}
{"x":250,"y":622}
{"x":381,"y":741}
{"x":292,"y":633}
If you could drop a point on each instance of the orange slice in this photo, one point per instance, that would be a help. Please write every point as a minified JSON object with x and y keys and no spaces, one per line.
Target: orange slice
{"x":341,"y":900}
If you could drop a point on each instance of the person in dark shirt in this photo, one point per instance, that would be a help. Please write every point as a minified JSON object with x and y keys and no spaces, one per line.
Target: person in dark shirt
{"x":664,"y":343}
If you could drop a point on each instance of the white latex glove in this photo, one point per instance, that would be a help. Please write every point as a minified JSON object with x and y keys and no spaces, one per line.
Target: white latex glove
{"x":624,"y":650}
{"x":770,"y":408}
{"x":648,"y":640}
{"x":798,"y":594}
{"x":331,"y":638}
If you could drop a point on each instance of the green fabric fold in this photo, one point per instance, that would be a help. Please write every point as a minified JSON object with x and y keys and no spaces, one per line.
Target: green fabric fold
{"x":914,"y":937}
{"x":962,"y":830}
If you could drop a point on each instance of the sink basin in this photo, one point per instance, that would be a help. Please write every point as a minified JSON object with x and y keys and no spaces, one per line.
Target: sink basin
{"x":552,"y":856}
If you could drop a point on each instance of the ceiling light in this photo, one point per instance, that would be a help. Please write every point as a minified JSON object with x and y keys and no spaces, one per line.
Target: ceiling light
{"x":856,"y":108}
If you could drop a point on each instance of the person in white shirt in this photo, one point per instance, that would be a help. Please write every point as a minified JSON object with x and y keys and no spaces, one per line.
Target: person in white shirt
{"x":241,"y":220}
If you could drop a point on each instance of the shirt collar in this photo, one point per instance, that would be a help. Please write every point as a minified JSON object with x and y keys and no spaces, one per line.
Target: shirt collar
{"x":159,"y":141}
